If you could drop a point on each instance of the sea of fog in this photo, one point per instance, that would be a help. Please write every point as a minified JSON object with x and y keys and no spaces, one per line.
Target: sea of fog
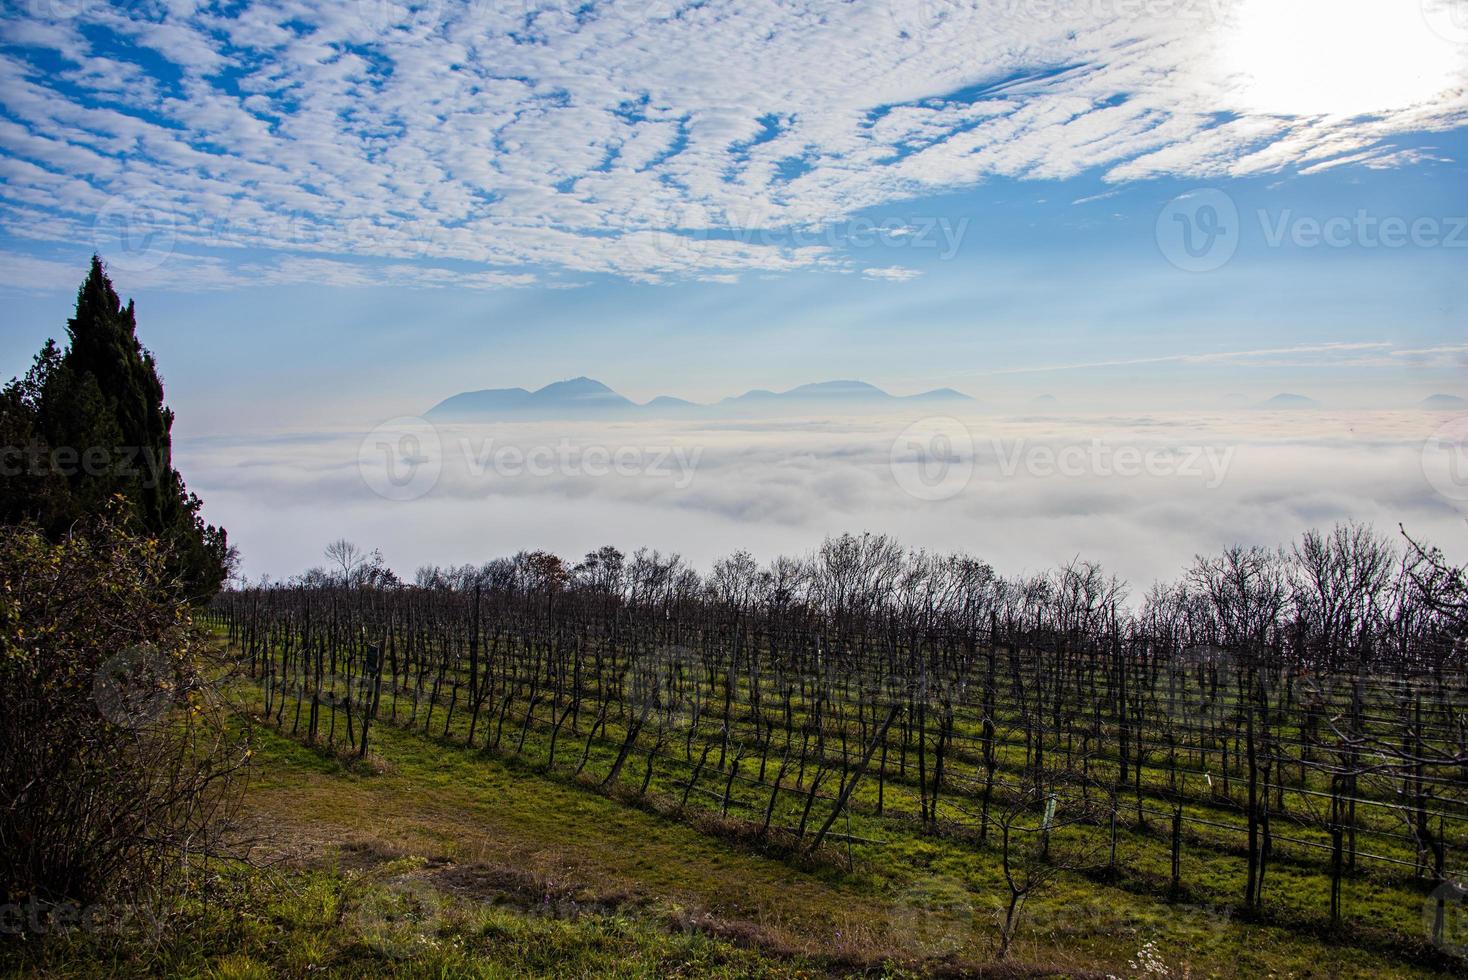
{"x":1141,"y":494}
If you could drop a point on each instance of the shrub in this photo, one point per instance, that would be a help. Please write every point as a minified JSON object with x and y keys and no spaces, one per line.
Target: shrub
{"x":114,"y":755}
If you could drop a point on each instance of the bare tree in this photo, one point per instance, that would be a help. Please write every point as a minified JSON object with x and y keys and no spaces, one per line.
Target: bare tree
{"x":1031,"y":856}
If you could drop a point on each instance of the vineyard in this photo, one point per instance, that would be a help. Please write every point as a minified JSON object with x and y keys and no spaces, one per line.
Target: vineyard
{"x":1279,"y":738}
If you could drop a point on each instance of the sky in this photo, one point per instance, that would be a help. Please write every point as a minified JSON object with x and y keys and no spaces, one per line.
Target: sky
{"x":331,"y":215}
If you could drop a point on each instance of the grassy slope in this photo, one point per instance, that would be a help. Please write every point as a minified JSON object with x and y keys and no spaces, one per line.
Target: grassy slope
{"x":444,"y":861}
{"x":918,"y":898}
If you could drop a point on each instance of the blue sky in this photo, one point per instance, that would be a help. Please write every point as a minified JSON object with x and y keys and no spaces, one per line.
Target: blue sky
{"x":413,"y":199}
{"x":1159,"y":211}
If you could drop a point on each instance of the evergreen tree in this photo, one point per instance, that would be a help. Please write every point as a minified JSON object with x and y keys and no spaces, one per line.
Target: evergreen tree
{"x":89,"y":424}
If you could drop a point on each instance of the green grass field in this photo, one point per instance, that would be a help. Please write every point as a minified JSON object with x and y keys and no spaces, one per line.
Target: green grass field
{"x":433,"y":859}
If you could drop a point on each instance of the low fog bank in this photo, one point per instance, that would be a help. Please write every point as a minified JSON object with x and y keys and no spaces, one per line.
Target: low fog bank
{"x":1140,"y":494}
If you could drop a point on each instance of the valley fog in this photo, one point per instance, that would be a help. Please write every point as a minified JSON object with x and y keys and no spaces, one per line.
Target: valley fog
{"x":1140,"y":494}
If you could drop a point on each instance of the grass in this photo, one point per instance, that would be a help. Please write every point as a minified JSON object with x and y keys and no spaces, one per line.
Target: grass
{"x":392,"y":921}
{"x":437,"y":860}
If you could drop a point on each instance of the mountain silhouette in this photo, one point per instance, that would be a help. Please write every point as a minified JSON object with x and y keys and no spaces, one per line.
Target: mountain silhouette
{"x":587,"y":398}
{"x":1285,"y":400}
{"x":1443,"y":403}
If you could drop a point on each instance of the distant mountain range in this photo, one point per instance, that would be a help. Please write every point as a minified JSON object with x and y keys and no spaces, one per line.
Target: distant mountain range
{"x":1285,"y":400}
{"x":585,"y":398}
{"x":1432,"y":403}
{"x":1444,"y":403}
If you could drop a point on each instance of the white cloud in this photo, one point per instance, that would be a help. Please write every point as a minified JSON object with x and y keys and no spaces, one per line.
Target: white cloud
{"x":894,"y":273}
{"x":780,"y":486}
{"x":1317,"y":355}
{"x":544,"y":135}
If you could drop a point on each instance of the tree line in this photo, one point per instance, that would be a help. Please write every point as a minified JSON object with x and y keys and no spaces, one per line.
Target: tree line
{"x":1278,"y":715}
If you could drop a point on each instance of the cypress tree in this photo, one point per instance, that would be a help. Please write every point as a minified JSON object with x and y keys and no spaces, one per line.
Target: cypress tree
{"x":87,"y":426}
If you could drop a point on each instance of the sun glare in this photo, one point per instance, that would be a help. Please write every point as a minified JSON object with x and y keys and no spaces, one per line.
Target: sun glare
{"x":1335,"y":57}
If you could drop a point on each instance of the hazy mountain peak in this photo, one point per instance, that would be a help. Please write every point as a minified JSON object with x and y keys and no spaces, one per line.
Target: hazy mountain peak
{"x":584,"y":397}
{"x":576,"y":386}
{"x":838,"y":387}
{"x":1287,"y":399}
{"x":1443,"y":403}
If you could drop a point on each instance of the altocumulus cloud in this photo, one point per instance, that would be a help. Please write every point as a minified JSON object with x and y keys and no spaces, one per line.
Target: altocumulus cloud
{"x":482,"y":144}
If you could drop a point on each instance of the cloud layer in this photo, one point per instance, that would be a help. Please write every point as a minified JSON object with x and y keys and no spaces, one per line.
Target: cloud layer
{"x":1141,"y":494}
{"x":488,"y":144}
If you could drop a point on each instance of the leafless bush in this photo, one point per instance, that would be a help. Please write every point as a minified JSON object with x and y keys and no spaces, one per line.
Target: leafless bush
{"x":114,"y":755}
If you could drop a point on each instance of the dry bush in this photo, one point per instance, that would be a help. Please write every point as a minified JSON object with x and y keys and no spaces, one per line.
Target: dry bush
{"x":115,"y":757}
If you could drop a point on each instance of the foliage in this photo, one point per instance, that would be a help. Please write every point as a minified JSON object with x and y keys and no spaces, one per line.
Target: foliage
{"x":113,"y":754}
{"x":88,"y":424}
